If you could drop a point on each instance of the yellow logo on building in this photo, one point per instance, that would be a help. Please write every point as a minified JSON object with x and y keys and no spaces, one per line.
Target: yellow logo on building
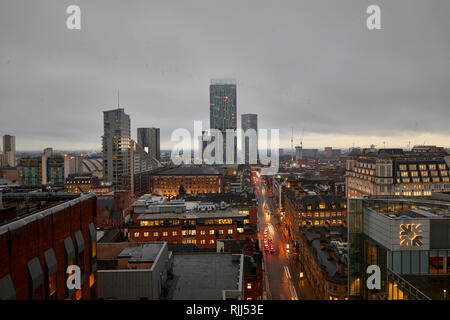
{"x":410,"y":235}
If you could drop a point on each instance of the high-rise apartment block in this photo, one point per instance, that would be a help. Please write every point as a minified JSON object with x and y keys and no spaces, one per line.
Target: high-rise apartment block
{"x":250,"y":121}
{"x":9,"y":151}
{"x":222,"y":95}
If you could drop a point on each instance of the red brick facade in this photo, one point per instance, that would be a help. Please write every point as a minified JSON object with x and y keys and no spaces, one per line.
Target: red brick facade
{"x":30,"y":237}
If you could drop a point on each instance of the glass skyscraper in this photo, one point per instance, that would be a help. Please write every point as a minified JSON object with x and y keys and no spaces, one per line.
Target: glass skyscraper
{"x":249,"y":121}
{"x":222,"y":96}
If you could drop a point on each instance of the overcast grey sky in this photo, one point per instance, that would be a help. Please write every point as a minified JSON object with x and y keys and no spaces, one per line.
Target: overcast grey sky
{"x":303,"y":64}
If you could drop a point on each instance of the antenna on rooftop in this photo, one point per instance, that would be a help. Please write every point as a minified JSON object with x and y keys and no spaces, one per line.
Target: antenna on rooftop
{"x":118,"y":99}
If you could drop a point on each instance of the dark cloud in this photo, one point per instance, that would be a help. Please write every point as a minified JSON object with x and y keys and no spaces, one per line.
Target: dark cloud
{"x":301,"y":64}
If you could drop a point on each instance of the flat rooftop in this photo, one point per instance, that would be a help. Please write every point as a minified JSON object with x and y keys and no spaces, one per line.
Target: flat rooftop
{"x":409,"y":208}
{"x":145,"y":253}
{"x":203,"y":276}
{"x":189,"y":171}
{"x":30,"y":204}
{"x":229,"y":213}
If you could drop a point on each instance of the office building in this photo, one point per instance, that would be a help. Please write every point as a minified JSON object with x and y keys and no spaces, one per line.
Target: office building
{"x":9,"y":151}
{"x":72,"y":164}
{"x":194,"y":180}
{"x":407,"y":239}
{"x":116,"y":143}
{"x":250,"y":121}
{"x":133,"y":271}
{"x":47,"y":169}
{"x":397,"y":173}
{"x":149,"y":140}
{"x":189,"y":222}
{"x":43,"y":235}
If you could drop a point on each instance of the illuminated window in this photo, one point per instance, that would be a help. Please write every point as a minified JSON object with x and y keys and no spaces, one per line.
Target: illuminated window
{"x":136,"y":234}
{"x":202,"y":232}
{"x":230,"y":231}
{"x":174,"y":233}
{"x":211,"y":241}
{"x":78,"y":295}
{"x":221,"y":231}
{"x":211,"y":232}
{"x":165,"y":234}
{"x":155,"y":234}
{"x":146,"y":234}
{"x":52,"y":284}
{"x":202,"y":241}
{"x":249,"y":285}
{"x":91,"y":280}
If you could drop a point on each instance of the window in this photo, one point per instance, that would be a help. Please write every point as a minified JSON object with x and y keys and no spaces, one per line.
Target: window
{"x":230,"y":231}
{"x":174,"y":233}
{"x":211,"y":241}
{"x":155,"y":234}
{"x":146,"y":234}
{"x":211,"y":232}
{"x":202,"y":232}
{"x":136,"y":234}
{"x":165,"y":234}
{"x":436,"y":262}
{"x":202,"y":241}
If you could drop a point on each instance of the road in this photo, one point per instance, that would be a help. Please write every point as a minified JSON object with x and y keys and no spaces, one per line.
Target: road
{"x":282,"y":269}
{"x":279,"y":284}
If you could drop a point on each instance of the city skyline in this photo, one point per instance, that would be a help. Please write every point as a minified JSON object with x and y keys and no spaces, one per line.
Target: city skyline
{"x":330,"y":77}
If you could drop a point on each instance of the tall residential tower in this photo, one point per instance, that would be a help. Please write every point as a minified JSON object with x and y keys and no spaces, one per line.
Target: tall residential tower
{"x":249,"y":121}
{"x":116,"y":147}
{"x":222,"y":107}
{"x":9,"y":150}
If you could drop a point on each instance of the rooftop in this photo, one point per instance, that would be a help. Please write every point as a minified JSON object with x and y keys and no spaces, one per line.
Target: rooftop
{"x":34,"y":205}
{"x":189,"y":171}
{"x":398,"y":208}
{"x":203,"y":276}
{"x":229,"y":213}
{"x":145,"y":253}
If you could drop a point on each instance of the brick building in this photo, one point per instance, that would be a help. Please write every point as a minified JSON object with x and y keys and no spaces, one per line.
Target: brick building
{"x":189,"y":222}
{"x":323,"y":261}
{"x":50,"y":231}
{"x":195,"y":180}
{"x":112,"y":209}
